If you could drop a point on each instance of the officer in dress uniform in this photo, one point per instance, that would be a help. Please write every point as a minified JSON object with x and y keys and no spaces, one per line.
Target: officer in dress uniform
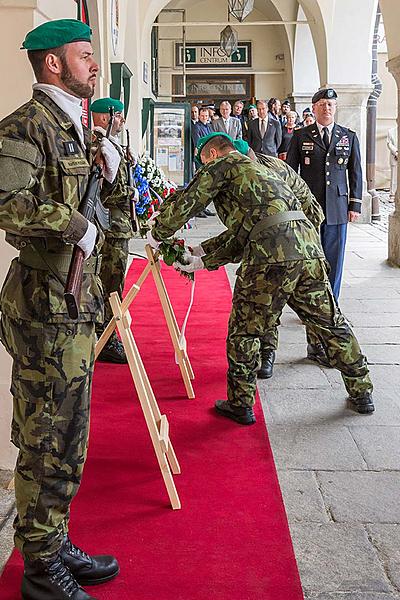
{"x":117,"y":199}
{"x":45,"y":159}
{"x":328,"y":156}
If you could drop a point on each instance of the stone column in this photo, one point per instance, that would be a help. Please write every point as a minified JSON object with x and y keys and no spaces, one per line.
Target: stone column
{"x":352,"y":113}
{"x":394,"y":219}
{"x":300,"y":101}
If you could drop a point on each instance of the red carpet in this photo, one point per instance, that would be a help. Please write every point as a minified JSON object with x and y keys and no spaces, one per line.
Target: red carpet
{"x":230,"y":540}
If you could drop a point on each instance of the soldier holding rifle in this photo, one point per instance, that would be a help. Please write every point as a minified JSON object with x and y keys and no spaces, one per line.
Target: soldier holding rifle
{"x":45,"y":158}
{"x":120,"y":200}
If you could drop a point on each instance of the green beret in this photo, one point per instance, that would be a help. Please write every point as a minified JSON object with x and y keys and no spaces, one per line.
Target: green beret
{"x":206,"y":138}
{"x":54,"y":34}
{"x":326,"y":93}
{"x":102,"y":105}
{"x":241,"y":146}
{"x":252,"y":106}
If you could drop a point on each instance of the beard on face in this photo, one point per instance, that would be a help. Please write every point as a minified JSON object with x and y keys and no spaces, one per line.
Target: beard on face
{"x":78,"y":88}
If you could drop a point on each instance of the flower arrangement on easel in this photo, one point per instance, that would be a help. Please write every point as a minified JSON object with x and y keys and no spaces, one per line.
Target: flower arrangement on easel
{"x":154,"y":188}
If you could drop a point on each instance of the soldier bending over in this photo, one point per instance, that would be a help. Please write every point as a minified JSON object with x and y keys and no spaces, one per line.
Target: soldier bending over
{"x":271,"y":227}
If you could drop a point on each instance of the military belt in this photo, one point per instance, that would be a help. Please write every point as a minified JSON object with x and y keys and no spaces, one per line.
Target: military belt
{"x":57,"y":263}
{"x":281,"y":217}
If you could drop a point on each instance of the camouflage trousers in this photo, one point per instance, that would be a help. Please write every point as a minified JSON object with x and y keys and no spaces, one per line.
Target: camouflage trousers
{"x":112,"y":273}
{"x":51,"y":385}
{"x":258,"y":300}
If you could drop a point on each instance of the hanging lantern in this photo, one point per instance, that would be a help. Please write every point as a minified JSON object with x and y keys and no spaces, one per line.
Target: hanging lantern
{"x":240,"y":9}
{"x":228,"y":40}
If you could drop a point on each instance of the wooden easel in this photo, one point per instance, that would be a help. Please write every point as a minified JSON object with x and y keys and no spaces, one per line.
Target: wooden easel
{"x":153,"y":266}
{"x":157,"y":423}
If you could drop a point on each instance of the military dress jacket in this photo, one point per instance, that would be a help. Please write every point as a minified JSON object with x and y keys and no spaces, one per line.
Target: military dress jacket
{"x":44,"y":172}
{"x":333,"y":174}
{"x":116,"y":197}
{"x":244,"y":192}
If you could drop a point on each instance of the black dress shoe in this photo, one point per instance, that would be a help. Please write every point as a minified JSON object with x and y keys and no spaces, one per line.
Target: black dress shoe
{"x":267,"y":364}
{"x":50,"y":580}
{"x":88,"y":570}
{"x":363,"y":404}
{"x":208,"y":212}
{"x":113,"y":352}
{"x":241,"y":414}
{"x":202,"y":214}
{"x":316,"y":353}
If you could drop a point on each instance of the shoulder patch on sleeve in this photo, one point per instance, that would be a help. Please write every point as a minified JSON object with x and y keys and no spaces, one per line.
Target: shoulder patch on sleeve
{"x":18,"y":162}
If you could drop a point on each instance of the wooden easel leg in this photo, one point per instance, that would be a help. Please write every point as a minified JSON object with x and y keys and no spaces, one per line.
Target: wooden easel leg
{"x":181,"y":355}
{"x":127,"y":301}
{"x":157,"y":424}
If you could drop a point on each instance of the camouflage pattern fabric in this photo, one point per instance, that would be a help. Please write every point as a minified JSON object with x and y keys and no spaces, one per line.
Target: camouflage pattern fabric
{"x":116,"y":197}
{"x":284,"y":265}
{"x":51,"y":381}
{"x":258,"y":300}
{"x":243,"y":192}
{"x":43,"y":175}
{"x":112,"y":274}
{"x":44,"y":172}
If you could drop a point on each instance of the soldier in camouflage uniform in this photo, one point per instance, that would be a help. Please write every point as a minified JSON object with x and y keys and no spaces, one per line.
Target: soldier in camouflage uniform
{"x":115,"y":248}
{"x":45,"y":157}
{"x":271,"y":218}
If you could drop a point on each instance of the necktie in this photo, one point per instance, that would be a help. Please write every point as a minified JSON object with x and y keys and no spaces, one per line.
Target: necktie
{"x":325,"y":137}
{"x":262,"y":128}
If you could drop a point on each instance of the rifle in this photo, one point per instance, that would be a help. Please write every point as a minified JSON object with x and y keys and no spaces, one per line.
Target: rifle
{"x":90,"y":207}
{"x":132,"y":208}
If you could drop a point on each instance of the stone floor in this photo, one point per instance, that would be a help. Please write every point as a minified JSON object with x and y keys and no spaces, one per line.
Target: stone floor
{"x":339,"y":471}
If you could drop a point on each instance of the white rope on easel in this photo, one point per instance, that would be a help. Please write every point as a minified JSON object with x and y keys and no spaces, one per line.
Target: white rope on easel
{"x":182,"y":338}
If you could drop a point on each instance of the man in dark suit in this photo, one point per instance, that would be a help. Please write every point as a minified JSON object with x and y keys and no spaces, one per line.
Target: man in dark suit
{"x":264,"y":134}
{"x":328,"y":156}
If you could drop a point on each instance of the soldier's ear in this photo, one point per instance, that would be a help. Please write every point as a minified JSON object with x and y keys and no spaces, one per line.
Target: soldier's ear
{"x":53,"y":63}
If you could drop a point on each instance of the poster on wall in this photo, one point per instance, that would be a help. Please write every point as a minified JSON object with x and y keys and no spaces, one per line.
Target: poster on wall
{"x":169,"y":142}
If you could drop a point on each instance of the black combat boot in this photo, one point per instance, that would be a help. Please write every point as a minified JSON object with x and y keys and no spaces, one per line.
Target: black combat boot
{"x":363,"y":404}
{"x":113,"y":352}
{"x":88,"y":570}
{"x":316,"y":353}
{"x":50,"y":580}
{"x":267,"y":363}
{"x":241,"y":414}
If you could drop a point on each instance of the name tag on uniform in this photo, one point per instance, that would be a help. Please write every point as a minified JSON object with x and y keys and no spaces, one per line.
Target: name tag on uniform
{"x":71,"y":148}
{"x":307,"y":146}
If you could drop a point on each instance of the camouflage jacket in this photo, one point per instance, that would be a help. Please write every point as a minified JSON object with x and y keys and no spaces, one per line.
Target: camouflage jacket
{"x":244,"y":192}
{"x":44,"y":172}
{"x":117,"y":197}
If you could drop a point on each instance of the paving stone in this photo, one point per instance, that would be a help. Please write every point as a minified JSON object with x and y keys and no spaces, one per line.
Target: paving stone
{"x":368,"y":291}
{"x":391,"y":305}
{"x":385,"y":272}
{"x":385,"y":354}
{"x":7,"y":500}
{"x":361,"y":319}
{"x":301,"y":375}
{"x":303,"y":500}
{"x":6,"y":541}
{"x":315,"y":447}
{"x":327,"y":407}
{"x":353,"y":596}
{"x":380,"y":446}
{"x":335,"y":557}
{"x":362,"y":497}
{"x":384,"y":377}
{"x":386,"y":539}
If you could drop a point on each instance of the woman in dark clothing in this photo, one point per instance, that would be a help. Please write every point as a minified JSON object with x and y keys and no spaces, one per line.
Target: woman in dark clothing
{"x":287,"y":132}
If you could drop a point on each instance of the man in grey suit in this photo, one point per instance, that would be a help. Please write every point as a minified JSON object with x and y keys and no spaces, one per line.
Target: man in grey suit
{"x":264,"y":134}
{"x":226,"y":123}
